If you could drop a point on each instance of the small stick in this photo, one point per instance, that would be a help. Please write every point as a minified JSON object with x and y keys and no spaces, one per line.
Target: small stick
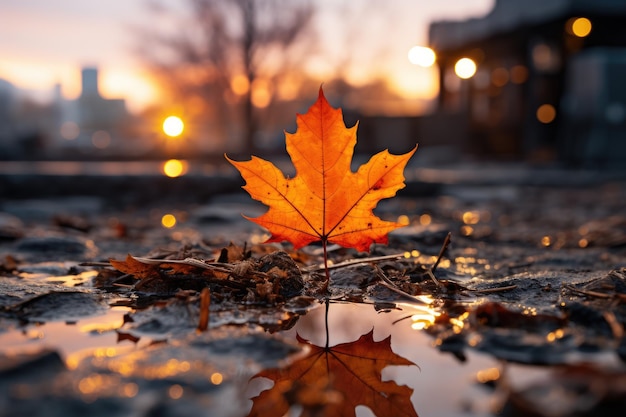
{"x":496,"y":289}
{"x":431,"y":270}
{"x":390,"y":285}
{"x":587,"y":292}
{"x":616,"y":327}
{"x":205,"y":303}
{"x":94,"y":263}
{"x":446,"y":243}
{"x":354,"y":262}
{"x":435,"y":280}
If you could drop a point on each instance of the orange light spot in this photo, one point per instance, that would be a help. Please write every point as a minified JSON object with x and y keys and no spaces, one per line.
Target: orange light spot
{"x":425,"y":219}
{"x":580,"y":27}
{"x":168,"y":220}
{"x":217,"y":378}
{"x":546,"y":113}
{"x":519,"y":74}
{"x":499,"y":77}
{"x":240,"y":84}
{"x":175,"y":392}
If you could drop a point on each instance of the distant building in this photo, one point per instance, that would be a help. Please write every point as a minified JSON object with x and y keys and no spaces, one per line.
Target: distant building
{"x":549,"y":81}
{"x":8,"y":109}
{"x":96,"y":112}
{"x":92,"y":120}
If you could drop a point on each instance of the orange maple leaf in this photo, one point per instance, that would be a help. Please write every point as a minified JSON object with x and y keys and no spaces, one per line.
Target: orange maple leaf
{"x":336,"y":380}
{"x":325,"y":201}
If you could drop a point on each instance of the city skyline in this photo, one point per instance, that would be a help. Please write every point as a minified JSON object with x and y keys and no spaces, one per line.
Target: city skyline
{"x":45,"y":43}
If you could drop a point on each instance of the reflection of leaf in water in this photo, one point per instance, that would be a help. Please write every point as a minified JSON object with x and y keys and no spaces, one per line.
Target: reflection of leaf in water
{"x":334,"y":381}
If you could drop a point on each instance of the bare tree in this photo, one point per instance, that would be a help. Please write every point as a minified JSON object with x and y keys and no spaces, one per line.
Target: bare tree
{"x":225,"y":49}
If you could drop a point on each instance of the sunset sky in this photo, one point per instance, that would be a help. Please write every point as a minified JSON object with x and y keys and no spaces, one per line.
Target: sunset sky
{"x":44,"y":42}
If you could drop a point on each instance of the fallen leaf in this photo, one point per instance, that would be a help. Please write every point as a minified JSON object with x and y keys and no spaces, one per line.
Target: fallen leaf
{"x":325,"y":201}
{"x":337,"y":379}
{"x":136,"y":268}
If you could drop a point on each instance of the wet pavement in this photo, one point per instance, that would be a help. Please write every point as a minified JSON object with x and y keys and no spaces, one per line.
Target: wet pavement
{"x":532,"y":294}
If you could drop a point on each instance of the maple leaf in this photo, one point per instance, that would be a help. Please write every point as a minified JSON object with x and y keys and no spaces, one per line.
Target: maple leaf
{"x":325,"y":201}
{"x":336,"y":380}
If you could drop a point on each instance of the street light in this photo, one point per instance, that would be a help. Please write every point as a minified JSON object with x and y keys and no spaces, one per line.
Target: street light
{"x":465,"y":68}
{"x":422,"y":56}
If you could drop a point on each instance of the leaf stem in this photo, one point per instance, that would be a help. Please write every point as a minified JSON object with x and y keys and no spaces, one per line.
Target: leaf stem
{"x":326,"y":270}
{"x":326,"y":321}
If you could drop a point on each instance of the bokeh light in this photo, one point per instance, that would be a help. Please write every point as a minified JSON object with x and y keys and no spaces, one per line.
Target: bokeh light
{"x":580,"y":27}
{"x":174,"y":168}
{"x":217,"y":378}
{"x":168,"y":220}
{"x":69,"y":130}
{"x":422,"y":56}
{"x":240,"y":84}
{"x":101,"y":139}
{"x":425,"y":219}
{"x":465,"y":68}
{"x":519,"y":74}
{"x":175,"y":392}
{"x":173,"y":126}
{"x":546,"y":113}
{"x":500,"y":77}
{"x":261,"y":95}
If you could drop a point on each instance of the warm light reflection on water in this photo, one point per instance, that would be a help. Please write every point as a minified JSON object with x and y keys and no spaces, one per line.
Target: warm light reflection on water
{"x":90,"y":336}
{"x":440,"y":383}
{"x":58,"y":168}
{"x":175,"y":168}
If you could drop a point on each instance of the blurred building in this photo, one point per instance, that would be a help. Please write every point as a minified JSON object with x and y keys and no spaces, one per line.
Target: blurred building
{"x":92,"y":121}
{"x":548,"y":83}
{"x":94,"y":111}
{"x":57,"y":128}
{"x":22,"y":122}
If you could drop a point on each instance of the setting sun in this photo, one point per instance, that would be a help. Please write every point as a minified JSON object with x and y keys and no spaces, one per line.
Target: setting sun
{"x":173,"y":126}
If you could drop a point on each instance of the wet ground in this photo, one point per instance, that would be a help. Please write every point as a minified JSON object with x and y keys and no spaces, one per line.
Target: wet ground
{"x":525,"y":314}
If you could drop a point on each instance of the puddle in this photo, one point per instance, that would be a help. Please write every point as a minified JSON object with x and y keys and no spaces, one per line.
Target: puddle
{"x":440,"y":384}
{"x":92,"y":335}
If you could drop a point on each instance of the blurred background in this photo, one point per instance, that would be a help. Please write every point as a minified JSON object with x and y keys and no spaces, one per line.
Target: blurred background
{"x":181,"y":80}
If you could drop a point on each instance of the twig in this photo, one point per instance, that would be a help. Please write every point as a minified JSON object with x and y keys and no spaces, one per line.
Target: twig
{"x":587,"y":292}
{"x":431,"y":270}
{"x":94,"y":263}
{"x":387,"y":283}
{"x":354,"y":262}
{"x":496,"y":289}
{"x":435,"y":280}
{"x":446,"y":243}
{"x":616,"y":327}
{"x":205,"y":304}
